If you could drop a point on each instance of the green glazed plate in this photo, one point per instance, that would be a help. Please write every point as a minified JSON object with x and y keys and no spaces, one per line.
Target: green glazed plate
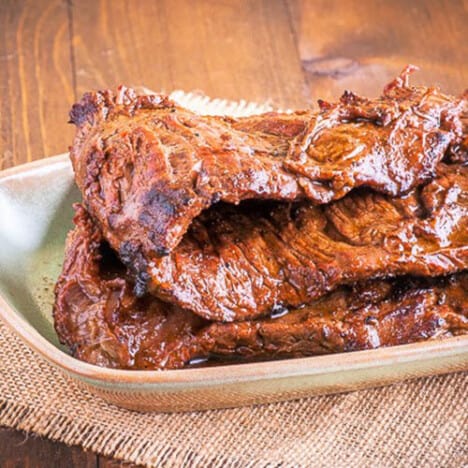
{"x":36,"y":214}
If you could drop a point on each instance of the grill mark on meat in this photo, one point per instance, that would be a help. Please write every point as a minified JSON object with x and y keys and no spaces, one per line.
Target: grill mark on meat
{"x":390,"y":144}
{"x":99,"y":318}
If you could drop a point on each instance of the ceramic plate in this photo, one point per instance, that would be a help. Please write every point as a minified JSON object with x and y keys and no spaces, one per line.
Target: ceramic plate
{"x":35,"y":215}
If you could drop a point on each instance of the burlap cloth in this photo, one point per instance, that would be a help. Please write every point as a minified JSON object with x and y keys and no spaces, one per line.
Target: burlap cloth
{"x":418,"y":423}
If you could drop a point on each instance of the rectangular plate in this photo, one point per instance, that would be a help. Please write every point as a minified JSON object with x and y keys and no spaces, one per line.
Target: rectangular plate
{"x":35,"y":215}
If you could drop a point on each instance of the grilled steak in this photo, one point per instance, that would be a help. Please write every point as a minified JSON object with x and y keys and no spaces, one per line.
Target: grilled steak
{"x":103,"y":322}
{"x":278,"y":235}
{"x":238,"y":263}
{"x":147,"y":168}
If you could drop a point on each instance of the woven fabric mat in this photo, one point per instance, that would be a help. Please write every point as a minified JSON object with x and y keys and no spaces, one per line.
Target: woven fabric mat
{"x":418,"y":423}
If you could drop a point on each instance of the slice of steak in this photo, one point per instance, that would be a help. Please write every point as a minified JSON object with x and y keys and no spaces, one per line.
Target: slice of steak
{"x":365,"y":316}
{"x":98,"y":317}
{"x":147,"y":167}
{"x":244,"y":262}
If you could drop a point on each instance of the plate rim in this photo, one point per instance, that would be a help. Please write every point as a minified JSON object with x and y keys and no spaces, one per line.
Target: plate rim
{"x":222,"y":374}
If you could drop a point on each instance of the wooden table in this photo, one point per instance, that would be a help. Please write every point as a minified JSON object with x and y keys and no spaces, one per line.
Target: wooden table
{"x":286,"y":52}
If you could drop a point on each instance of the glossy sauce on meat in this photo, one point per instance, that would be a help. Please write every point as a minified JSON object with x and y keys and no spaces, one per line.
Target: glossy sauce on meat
{"x":147,"y":168}
{"x":211,"y":239}
{"x":101,"y":320}
{"x":239,"y":263}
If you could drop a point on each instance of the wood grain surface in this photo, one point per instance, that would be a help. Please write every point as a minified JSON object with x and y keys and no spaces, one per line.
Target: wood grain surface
{"x":360,"y":45}
{"x":286,"y":52}
{"x":226,"y":49}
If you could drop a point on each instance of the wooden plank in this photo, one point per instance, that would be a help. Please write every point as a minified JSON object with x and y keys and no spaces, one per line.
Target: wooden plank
{"x":360,"y":45}
{"x":35,"y":80}
{"x":231,"y":50}
{"x":36,"y":92}
{"x":26,"y":451}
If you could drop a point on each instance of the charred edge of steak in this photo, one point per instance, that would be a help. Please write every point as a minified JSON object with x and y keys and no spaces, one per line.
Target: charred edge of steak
{"x":100,"y":105}
{"x":131,"y":256}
